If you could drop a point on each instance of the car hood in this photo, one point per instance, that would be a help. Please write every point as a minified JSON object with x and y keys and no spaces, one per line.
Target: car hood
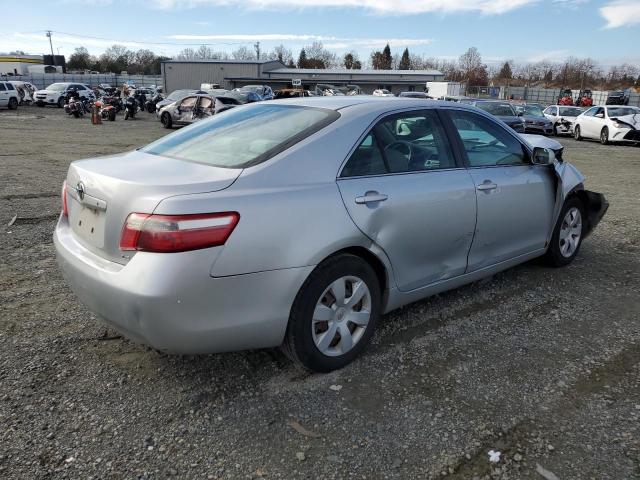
{"x":536,"y":118}
{"x":632,"y":120}
{"x":541,"y":141}
{"x":49,"y":92}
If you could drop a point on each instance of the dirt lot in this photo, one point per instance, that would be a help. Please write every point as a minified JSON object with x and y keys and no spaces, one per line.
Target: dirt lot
{"x":542,"y":365}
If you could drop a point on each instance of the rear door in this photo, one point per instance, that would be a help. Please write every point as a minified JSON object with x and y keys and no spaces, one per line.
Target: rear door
{"x":515,"y":199}
{"x":404,"y":189}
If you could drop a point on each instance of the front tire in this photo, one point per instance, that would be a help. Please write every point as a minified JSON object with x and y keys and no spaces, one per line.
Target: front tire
{"x":567,"y":234}
{"x":576,"y":133}
{"x":604,"y":136}
{"x":166,"y":121}
{"x":61,"y":102}
{"x":334,"y":315}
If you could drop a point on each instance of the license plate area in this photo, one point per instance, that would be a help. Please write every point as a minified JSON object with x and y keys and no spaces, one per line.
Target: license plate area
{"x":87,"y":223}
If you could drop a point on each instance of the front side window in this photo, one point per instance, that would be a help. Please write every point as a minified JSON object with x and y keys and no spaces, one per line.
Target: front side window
{"x":188,"y":102}
{"x":410,"y":142}
{"x":243,"y":136}
{"x":10,"y":87}
{"x":486,"y":143}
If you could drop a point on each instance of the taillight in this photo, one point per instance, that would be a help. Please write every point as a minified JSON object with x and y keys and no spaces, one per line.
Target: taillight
{"x":65,"y":205}
{"x":176,"y":233}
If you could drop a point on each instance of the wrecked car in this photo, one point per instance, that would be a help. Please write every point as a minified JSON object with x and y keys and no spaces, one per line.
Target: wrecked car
{"x":609,"y":124}
{"x":562,"y":118}
{"x":300,"y":222}
{"x":193,"y":108}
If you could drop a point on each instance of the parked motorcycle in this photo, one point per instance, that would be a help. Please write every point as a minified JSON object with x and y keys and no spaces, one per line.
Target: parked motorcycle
{"x":115,"y":100}
{"x":75,"y":105}
{"x":106,"y":111}
{"x":130,"y":108}
{"x":150,"y":105}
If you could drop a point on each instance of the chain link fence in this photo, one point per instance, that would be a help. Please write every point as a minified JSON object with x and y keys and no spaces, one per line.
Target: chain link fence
{"x":43,"y":80}
{"x":546,"y":96}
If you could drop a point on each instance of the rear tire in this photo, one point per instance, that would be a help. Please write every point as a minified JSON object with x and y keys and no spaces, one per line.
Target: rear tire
{"x":604,"y":136}
{"x":351,"y":314}
{"x":166,"y":121}
{"x":576,"y":133}
{"x":567,"y":234}
{"x":126,"y":114}
{"x":13,"y":104}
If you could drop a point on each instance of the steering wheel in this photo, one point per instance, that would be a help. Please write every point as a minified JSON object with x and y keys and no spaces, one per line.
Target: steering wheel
{"x":399,"y":146}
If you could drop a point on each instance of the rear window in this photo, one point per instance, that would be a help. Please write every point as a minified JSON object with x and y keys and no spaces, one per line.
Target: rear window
{"x":244,"y":136}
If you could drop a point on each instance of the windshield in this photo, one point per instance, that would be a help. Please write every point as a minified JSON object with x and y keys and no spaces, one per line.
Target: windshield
{"x":243,"y":136}
{"x":533,"y":110}
{"x":498,"y":109}
{"x":176,"y":94}
{"x":57,"y":87}
{"x":570,"y":111}
{"x":622,"y":111}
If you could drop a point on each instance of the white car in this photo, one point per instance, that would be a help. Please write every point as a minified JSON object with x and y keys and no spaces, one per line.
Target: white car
{"x":25,"y":90}
{"x":382,"y":92}
{"x":9,"y":96}
{"x":563,"y":118}
{"x":56,"y":93}
{"x":611,"y":123}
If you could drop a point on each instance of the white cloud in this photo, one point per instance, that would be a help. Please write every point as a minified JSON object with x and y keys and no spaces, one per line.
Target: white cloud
{"x":621,"y":13}
{"x":331,"y":42}
{"x":394,"y":7}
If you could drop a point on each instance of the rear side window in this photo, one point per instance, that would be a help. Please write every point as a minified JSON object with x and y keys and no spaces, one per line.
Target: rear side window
{"x":2,"y":87}
{"x":9,"y":86}
{"x":487,"y":143}
{"x":243,"y":136}
{"x":409,"y":142}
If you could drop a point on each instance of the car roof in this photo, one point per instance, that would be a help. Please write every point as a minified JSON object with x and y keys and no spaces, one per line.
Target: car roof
{"x":369,"y":102}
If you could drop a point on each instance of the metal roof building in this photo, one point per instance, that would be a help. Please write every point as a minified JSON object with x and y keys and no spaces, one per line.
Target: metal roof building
{"x":236,"y":73}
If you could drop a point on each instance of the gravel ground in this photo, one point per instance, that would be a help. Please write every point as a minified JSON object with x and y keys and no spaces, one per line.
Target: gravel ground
{"x":539,"y":364}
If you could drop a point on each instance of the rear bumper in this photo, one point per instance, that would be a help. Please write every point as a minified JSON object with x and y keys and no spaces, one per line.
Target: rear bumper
{"x":170,"y":301}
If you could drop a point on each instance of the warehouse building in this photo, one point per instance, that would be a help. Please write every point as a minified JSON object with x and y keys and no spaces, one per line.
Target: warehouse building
{"x":230,"y":74}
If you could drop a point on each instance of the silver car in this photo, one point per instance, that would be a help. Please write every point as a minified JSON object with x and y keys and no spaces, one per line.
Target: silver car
{"x":298,"y":223}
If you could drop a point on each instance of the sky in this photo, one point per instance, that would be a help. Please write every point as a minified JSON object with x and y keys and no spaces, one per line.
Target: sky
{"x":521,"y":30}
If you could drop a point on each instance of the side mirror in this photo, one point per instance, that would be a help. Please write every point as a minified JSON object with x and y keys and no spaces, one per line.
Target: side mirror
{"x":600,"y":115}
{"x":543,"y":156}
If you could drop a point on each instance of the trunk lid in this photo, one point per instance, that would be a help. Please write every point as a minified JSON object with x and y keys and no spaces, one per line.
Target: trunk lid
{"x":102,"y":192}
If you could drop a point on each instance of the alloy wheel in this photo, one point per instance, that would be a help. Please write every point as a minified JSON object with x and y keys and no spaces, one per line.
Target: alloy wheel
{"x":570,"y":232}
{"x":341,"y":316}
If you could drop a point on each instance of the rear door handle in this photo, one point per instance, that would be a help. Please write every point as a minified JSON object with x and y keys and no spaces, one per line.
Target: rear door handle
{"x":486,"y":185}
{"x":371,"y":197}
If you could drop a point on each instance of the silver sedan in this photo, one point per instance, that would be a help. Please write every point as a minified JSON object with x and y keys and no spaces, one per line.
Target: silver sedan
{"x":298,"y":223}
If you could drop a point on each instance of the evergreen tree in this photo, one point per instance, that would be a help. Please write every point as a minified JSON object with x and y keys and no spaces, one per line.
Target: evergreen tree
{"x":405,"y":61}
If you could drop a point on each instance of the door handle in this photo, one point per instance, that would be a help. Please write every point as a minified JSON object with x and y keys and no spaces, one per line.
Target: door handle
{"x":486,"y":186}
{"x":371,"y":197}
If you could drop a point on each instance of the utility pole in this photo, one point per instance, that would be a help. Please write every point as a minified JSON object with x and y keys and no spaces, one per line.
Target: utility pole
{"x":50,"y":44}
{"x":257,"y":47}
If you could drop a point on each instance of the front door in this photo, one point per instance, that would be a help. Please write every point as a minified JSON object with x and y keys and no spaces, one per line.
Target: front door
{"x":186,"y":111}
{"x":405,"y":191}
{"x":515,"y":198}
{"x":4,"y":95}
